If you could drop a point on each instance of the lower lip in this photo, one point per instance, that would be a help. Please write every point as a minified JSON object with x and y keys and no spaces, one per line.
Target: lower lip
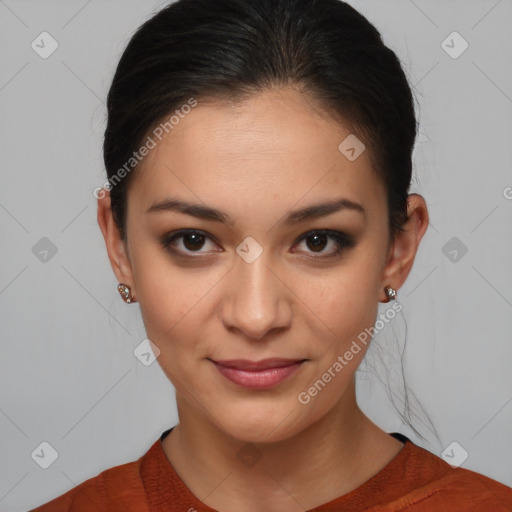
{"x":260,"y":379}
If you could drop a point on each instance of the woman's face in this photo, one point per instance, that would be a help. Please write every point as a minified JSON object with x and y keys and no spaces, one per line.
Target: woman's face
{"x":255,"y":281}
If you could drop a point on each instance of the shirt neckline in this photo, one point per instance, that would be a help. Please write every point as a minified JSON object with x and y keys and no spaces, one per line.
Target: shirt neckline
{"x":164,"y":486}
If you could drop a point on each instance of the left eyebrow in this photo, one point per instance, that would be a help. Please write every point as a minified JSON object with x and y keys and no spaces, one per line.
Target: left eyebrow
{"x":202,"y":211}
{"x":323,"y":209}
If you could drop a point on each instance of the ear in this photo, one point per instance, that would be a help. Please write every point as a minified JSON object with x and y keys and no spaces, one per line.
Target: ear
{"x":403,"y":250}
{"x":116,"y":247}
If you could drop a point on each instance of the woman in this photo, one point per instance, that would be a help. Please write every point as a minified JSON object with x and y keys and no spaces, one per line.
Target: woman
{"x":259,"y":162}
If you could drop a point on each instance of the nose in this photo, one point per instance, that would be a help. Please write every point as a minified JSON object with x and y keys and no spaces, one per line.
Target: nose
{"x":256,"y":300}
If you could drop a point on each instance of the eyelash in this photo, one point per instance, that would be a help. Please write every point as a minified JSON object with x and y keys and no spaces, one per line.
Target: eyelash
{"x":342,"y":240}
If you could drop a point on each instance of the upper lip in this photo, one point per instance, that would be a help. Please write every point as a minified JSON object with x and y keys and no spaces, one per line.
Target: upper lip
{"x":244,"y":364}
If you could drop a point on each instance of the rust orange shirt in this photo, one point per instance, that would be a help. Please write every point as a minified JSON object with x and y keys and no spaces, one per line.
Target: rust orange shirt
{"x":414,"y":481}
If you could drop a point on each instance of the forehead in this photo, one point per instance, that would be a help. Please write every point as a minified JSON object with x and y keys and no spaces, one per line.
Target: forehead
{"x":273,"y":145}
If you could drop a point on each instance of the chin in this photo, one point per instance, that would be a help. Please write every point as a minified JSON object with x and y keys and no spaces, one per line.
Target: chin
{"x":261,"y":427}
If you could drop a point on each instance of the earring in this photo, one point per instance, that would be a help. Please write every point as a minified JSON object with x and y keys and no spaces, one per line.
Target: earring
{"x":390,"y":293}
{"x":126,"y":293}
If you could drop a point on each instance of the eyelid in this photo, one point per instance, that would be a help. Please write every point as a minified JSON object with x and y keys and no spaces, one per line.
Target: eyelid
{"x":343,"y":240}
{"x":168,"y":239}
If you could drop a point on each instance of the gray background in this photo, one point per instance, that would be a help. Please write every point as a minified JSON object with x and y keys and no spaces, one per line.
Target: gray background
{"x":68,"y":373}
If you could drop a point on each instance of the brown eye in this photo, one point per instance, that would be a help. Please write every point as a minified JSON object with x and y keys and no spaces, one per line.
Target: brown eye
{"x":193,"y":241}
{"x":184,"y":243}
{"x":318,"y":241}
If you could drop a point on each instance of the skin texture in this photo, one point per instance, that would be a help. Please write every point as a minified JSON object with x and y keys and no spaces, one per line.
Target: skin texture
{"x":257,"y":160}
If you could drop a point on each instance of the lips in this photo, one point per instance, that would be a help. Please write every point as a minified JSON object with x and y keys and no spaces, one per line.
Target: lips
{"x":262,"y":374}
{"x":244,"y":364}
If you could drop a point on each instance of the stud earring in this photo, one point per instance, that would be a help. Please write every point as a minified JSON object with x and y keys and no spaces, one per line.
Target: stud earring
{"x":126,"y":293}
{"x":390,"y":293}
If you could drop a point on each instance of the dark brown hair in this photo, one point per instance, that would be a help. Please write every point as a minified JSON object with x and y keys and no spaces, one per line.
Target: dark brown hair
{"x":206,"y":49}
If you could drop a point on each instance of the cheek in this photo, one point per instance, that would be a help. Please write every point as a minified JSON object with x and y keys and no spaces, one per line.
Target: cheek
{"x":172,"y":324}
{"x":172,"y":301}
{"x":339,"y":305}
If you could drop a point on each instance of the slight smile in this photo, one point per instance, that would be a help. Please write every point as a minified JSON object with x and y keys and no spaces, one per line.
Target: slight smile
{"x":263,"y":374}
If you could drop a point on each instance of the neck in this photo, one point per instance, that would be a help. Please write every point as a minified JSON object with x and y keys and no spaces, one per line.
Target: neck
{"x":329,"y":458}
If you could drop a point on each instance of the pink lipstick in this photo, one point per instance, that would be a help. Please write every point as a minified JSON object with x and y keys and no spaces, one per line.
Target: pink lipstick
{"x":262,"y":374}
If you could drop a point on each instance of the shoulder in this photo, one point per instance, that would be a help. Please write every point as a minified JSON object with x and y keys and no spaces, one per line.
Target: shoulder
{"x":120,"y":485}
{"x":435,"y":485}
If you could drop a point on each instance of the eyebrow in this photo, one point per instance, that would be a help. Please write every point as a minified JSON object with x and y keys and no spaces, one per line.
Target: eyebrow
{"x":201,"y":211}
